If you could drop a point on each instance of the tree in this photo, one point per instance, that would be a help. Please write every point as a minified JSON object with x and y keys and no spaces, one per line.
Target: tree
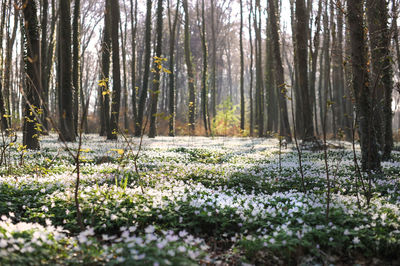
{"x":242,"y":106}
{"x":362,"y":91}
{"x":172,"y":31}
{"x":66,"y":115}
{"x":382,"y":74}
{"x":3,"y":113}
{"x":190,"y":73}
{"x":104,"y":92}
{"x":75,"y":61}
{"x":116,"y":72}
{"x":32,"y":67}
{"x":204,"y":88}
{"x":133,"y":70}
{"x":302,"y":62}
{"x":146,"y":71}
{"x":157,"y":66}
{"x":279,"y":77}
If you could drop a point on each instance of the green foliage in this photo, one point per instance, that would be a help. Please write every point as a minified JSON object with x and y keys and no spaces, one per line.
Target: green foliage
{"x":226,"y":119}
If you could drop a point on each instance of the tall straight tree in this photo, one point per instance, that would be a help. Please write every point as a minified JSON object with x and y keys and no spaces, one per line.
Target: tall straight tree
{"x":32,"y":67}
{"x":157,"y":66}
{"x":133,"y":66}
{"x":259,"y":75}
{"x":279,"y":75}
{"x":44,"y":66}
{"x":189,"y":67}
{"x":213,"y":63}
{"x":369,"y":148}
{"x":75,"y":60}
{"x":105,"y":72}
{"x":146,"y":71}
{"x":3,"y":113}
{"x":242,"y":106}
{"x":116,"y":72}
{"x":251,"y":129}
{"x":382,"y":74}
{"x":66,"y":114}
{"x":172,"y":31}
{"x":302,"y":69}
{"x":204,"y":89}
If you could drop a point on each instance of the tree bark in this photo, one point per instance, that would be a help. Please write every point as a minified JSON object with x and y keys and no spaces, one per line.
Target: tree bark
{"x":369,"y":149}
{"x":146,"y":71}
{"x":279,"y":76}
{"x":157,"y":66}
{"x":67,"y":129}
{"x":112,"y":132}
{"x":33,"y":87}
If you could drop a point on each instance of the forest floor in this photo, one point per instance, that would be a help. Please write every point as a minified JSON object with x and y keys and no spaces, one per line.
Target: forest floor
{"x":195,"y":200}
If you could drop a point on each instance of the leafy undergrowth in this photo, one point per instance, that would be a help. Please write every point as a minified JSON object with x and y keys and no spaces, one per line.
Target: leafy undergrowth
{"x":195,"y":201}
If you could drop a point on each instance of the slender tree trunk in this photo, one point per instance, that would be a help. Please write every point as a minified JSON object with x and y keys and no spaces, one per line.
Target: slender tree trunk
{"x":112,"y":132}
{"x":146,"y":71}
{"x":172,"y":93}
{"x":251,"y":72}
{"x":67,"y":129}
{"x":190,"y":73}
{"x":302,"y":49}
{"x":284,"y":119}
{"x":133,"y":74}
{"x":104,"y":91}
{"x":3,"y":113}
{"x":75,"y":61}
{"x":204,"y":89}
{"x":32,"y":67}
{"x":158,"y":68}
{"x":242,"y":106}
{"x":213,"y":63}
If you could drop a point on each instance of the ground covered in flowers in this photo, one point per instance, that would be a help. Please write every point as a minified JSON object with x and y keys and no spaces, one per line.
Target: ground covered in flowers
{"x":194,"y":200}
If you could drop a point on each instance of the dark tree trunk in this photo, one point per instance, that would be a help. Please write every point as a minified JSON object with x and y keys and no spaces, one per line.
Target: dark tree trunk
{"x":172,"y":93}
{"x":32,"y":67}
{"x":112,"y":132}
{"x":382,"y":74}
{"x":3,"y":113}
{"x":75,"y":61}
{"x":279,"y":76}
{"x":134,"y":90}
{"x":362,"y":91}
{"x":242,"y":106}
{"x":67,"y":129}
{"x":190,"y":73}
{"x":157,"y":66}
{"x":104,"y":91}
{"x":251,"y":72}
{"x":146,"y":72}
{"x":302,"y":53}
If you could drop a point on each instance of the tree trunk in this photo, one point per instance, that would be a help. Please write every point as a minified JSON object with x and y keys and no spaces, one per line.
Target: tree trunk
{"x":146,"y":71}
{"x":158,"y":68}
{"x":32,"y":67}
{"x":369,"y":149}
{"x":172,"y":93}
{"x":75,"y":61}
{"x":67,"y":129}
{"x":242,"y":106}
{"x":104,"y":91}
{"x":112,"y":132}
{"x":279,"y":76}
{"x":382,"y":74}
{"x":302,"y":49}
{"x":190,"y":73}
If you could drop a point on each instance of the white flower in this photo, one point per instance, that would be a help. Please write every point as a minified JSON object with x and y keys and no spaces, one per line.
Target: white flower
{"x":356,"y":240}
{"x":113,"y":217}
{"x":181,"y":249}
{"x":149,"y":229}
